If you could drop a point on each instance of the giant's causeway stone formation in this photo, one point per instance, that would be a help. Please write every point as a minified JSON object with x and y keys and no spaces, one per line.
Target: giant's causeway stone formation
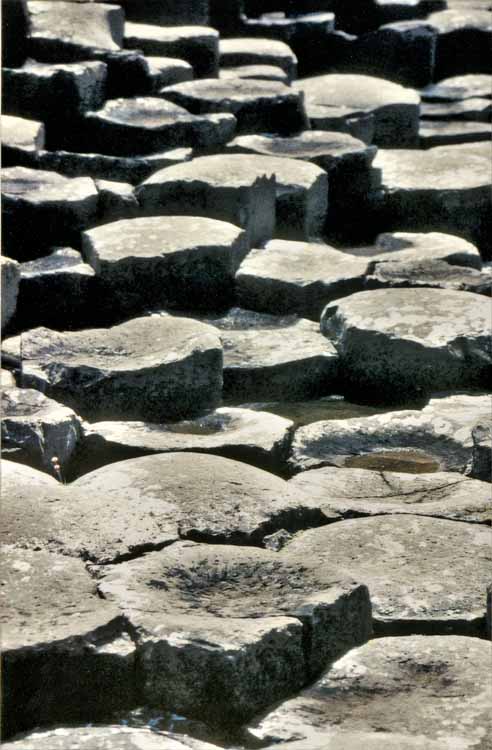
{"x":245,"y":371}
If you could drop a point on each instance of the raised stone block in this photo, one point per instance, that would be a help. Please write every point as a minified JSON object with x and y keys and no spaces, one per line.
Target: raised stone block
{"x":10,"y":275}
{"x":463,"y":41}
{"x":256,"y":51}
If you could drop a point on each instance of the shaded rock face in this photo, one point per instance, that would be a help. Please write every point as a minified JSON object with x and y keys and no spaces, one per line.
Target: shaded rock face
{"x":10,"y":289}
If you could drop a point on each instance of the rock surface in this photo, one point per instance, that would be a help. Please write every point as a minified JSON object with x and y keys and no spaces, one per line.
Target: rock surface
{"x":10,"y":275}
{"x":105,"y":738}
{"x":255,"y":51}
{"x":481,"y":463}
{"x":18,"y":136}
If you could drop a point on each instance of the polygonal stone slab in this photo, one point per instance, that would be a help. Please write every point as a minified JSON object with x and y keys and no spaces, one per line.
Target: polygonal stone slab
{"x":395,"y":108}
{"x":354,"y":493}
{"x":402,"y":692}
{"x":258,"y":106}
{"x":40,"y":209}
{"x":258,"y":438}
{"x":105,"y":738}
{"x":458,"y":88}
{"x":395,"y":344}
{"x":142,"y":125}
{"x":54,"y":625}
{"x":198,"y":45}
{"x":18,"y":136}
{"x":10,"y":275}
{"x":433,"y":133}
{"x":254,"y":51}
{"x":474,"y":109}
{"x":37,"y":431}
{"x":429,"y":273}
{"x":437,"y":438}
{"x":463,"y":41}
{"x":154,"y":368}
{"x":235,"y":618}
{"x":162,"y":262}
{"x":167,"y":13}
{"x":272,"y":357}
{"x":260,"y":72}
{"x":420,"y":572}
{"x":166,"y":71}
{"x":413,"y":246}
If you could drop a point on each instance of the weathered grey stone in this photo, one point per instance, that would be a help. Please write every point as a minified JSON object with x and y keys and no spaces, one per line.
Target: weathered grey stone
{"x":152,"y":368}
{"x":56,"y":291}
{"x":54,"y":92}
{"x":395,"y":109}
{"x":447,"y":189}
{"x":255,"y":437}
{"x":481,"y":462}
{"x":355,"y":493}
{"x":115,"y":737}
{"x":166,"y":71}
{"x":458,"y":88}
{"x":475,"y":109}
{"x":400,"y":692}
{"x":198,"y":45}
{"x":260,"y":72}
{"x":41,"y":209}
{"x":142,"y":125}
{"x":239,"y":189}
{"x":395,"y":344}
{"x":420,"y":572}
{"x":7,"y":379}
{"x":413,"y":246}
{"x":235,"y":619}
{"x":342,"y":120}
{"x":259,"y":106}
{"x":163,"y":262}
{"x":463,"y":42}
{"x":429,"y":272}
{"x":37,"y":431}
{"x":271,"y":357}
{"x":10,"y":275}
{"x":54,"y":625}
{"x":437,"y":438}
{"x":18,"y":136}
{"x":65,"y":31}
{"x":117,"y":200}
{"x":255,"y":51}
{"x":444,"y":133}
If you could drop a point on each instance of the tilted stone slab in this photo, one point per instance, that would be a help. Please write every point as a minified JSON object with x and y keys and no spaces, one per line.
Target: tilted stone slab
{"x":355,"y":493}
{"x":433,"y":133}
{"x":395,"y":344}
{"x":155,"y":368}
{"x":463,"y":41}
{"x":429,"y":273}
{"x":166,"y":71}
{"x":475,"y":109}
{"x":260,"y":72}
{"x":54,"y":625}
{"x":37,"y":431}
{"x":399,"y":692}
{"x":459,"y":88}
{"x":258,"y":438}
{"x":163,"y":262}
{"x":41,"y":209}
{"x":259,"y":106}
{"x":395,"y":108}
{"x":10,"y":276}
{"x":420,"y":572}
{"x":115,"y":737}
{"x":143,"y":125}
{"x":20,"y":135}
{"x":273,"y":357}
{"x":198,"y":45}
{"x":235,"y":618}
{"x":255,"y":51}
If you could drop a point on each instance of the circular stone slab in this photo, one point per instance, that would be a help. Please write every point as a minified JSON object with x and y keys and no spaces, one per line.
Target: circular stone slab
{"x":425,"y":575}
{"x":396,"y":109}
{"x":431,"y":691}
{"x":223,"y":628}
{"x":258,"y":438}
{"x":155,"y":368}
{"x":105,"y":738}
{"x":398,"y":343}
{"x":353,"y":493}
{"x":165,"y":261}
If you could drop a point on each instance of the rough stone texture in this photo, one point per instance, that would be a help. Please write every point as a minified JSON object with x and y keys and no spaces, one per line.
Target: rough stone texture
{"x":54,"y":625}
{"x":143,"y":125}
{"x":271,"y":357}
{"x":440,"y":435}
{"x":458,"y":88}
{"x":56,"y":291}
{"x":10,"y":275}
{"x":230,"y":643}
{"x":164,"y":262}
{"x":254,"y":51}
{"x":342,"y":119}
{"x":36,"y":429}
{"x":258,"y":106}
{"x":430,"y":273}
{"x":66,"y":31}
{"x":463,"y":42}
{"x":395,"y":344}
{"x":239,"y":189}
{"x":256,"y":437}
{"x":355,"y":493}
{"x":481,"y":462}
{"x":18,"y":136}
{"x":413,"y":246}
{"x":154,"y":368}
{"x":395,"y":109}
{"x":413,"y":692}
{"x":166,"y":71}
{"x":7,"y":379}
{"x":260,"y":72}
{"x":474,"y":109}
{"x":55,"y":93}
{"x":425,"y":575}
{"x":446,"y":189}
{"x":198,"y":45}
{"x":442,"y":133}
{"x":41,"y":209}
{"x":105,"y":738}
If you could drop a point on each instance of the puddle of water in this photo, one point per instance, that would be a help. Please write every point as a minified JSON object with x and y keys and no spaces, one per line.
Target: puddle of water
{"x":408,"y":462}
